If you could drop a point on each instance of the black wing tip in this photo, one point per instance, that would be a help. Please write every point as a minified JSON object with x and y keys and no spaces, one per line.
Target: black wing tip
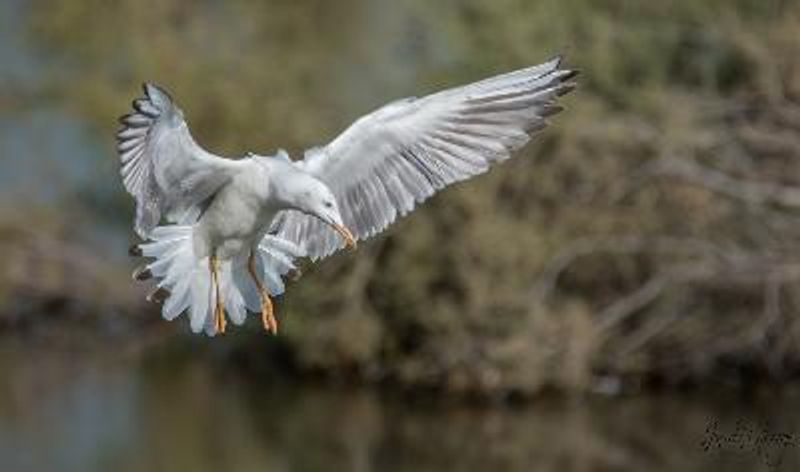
{"x":147,"y":87}
{"x":158,"y":295}
{"x":130,"y":120}
{"x":150,"y":87}
{"x":562,"y":75}
{"x":571,"y":74}
{"x":550,"y":110}
{"x":559,"y":59}
{"x":136,"y":105}
{"x":135,"y":251}
{"x":142,"y":273}
{"x":565,"y":89}
{"x":154,"y":96}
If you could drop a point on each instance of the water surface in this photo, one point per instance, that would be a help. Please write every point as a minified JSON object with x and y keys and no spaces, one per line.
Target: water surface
{"x":84,"y":412}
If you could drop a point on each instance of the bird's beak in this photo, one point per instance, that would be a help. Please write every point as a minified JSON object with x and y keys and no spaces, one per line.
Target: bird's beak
{"x":349,"y":240}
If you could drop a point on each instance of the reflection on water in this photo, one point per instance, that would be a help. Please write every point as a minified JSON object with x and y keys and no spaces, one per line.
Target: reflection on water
{"x":71,"y":412}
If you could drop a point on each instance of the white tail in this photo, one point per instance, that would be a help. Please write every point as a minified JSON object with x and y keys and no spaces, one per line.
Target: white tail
{"x":188,"y":279}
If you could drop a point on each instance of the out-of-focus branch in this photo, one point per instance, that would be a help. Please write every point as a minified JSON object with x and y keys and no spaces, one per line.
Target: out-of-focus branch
{"x":747,"y":190}
{"x":632,"y":303}
{"x":701,"y":262}
{"x":653,"y":326}
{"x":622,"y":245}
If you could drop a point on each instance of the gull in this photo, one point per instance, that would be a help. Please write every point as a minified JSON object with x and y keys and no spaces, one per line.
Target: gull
{"x":235,"y":227}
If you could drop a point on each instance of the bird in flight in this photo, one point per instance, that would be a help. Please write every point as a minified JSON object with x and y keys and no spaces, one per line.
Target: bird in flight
{"x":235,"y":227}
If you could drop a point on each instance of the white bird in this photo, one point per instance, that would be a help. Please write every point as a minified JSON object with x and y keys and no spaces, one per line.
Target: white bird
{"x":238,"y":225}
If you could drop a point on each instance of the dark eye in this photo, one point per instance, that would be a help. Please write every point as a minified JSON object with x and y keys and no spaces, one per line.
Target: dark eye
{"x":328,"y":204}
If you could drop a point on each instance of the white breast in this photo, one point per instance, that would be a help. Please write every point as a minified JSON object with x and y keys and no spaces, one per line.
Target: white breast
{"x":238,"y":216}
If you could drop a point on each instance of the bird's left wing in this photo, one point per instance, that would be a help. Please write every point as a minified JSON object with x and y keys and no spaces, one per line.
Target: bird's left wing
{"x":162,"y":167}
{"x":389,"y":161}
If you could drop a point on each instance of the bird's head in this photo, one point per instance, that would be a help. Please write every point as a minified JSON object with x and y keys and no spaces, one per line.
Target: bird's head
{"x":313,"y":197}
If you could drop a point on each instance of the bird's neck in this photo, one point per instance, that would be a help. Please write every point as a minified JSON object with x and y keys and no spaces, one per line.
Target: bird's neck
{"x":287,"y":184}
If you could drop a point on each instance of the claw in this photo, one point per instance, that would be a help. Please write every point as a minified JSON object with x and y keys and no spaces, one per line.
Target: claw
{"x":219,"y":319}
{"x":219,"y":309}
{"x":268,"y":315}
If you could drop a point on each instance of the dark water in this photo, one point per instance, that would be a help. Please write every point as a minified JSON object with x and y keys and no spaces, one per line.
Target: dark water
{"x":89,"y":412}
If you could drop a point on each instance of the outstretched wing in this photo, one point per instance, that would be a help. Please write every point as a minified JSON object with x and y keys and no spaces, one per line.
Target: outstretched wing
{"x":163,"y":168}
{"x":389,"y":161}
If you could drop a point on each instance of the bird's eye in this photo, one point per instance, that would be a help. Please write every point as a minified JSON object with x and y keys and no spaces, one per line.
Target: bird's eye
{"x":328,"y":204}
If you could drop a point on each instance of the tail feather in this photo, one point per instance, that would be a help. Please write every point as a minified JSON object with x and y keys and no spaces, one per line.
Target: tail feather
{"x":201,"y":294}
{"x":178,"y":300}
{"x":234,"y":301}
{"x":247,"y":288}
{"x":188,"y":279}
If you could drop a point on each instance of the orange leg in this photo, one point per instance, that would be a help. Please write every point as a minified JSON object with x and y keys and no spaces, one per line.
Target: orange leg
{"x":267,"y":313}
{"x":219,"y":309}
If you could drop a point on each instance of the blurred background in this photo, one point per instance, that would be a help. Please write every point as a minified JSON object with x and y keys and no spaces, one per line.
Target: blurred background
{"x":597,"y":303}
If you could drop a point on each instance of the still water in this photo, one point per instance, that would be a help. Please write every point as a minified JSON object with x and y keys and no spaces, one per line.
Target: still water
{"x":98,"y":412}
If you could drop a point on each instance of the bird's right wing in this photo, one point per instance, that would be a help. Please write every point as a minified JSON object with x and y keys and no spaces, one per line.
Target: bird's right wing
{"x":163,"y":168}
